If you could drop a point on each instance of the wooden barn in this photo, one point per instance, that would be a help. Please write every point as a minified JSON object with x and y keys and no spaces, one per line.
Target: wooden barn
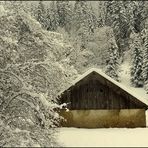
{"x":96,"y":100}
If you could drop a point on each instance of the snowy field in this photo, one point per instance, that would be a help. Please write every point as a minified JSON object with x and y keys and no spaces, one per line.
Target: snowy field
{"x":115,"y":137}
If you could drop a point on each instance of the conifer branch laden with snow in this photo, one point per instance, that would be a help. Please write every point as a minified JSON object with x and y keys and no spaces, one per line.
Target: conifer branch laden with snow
{"x":137,"y":61}
{"x":113,"y":61}
{"x":145,"y":58}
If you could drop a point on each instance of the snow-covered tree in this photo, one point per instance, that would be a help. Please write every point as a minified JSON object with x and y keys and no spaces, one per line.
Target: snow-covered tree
{"x":41,"y":14}
{"x":116,"y":18}
{"x":52,"y":17}
{"x":31,"y":75}
{"x":112,"y":61}
{"x":139,"y":15}
{"x":145,"y":57}
{"x":93,"y":22}
{"x":130,"y":9}
{"x":64,"y":11}
{"x":101,"y":13}
{"x":84,"y":22}
{"x":136,"y":13}
{"x":137,"y":61}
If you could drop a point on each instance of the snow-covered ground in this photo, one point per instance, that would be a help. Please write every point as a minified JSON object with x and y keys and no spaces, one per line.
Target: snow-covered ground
{"x":108,"y":137}
{"x":111,"y":137}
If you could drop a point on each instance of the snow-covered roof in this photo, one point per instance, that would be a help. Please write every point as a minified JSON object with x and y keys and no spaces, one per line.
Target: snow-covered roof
{"x":99,"y":71}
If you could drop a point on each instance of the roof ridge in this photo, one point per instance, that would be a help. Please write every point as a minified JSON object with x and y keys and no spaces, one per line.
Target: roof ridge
{"x":100,"y":72}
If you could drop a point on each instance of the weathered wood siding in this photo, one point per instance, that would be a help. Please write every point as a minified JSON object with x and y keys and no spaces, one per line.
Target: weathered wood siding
{"x":104,"y":118}
{"x":95,"y":92}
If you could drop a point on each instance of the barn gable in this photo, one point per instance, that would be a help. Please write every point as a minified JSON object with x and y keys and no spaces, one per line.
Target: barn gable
{"x":96,"y":90}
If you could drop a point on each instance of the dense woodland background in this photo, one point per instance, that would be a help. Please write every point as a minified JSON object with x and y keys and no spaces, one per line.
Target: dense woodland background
{"x":44,"y":45}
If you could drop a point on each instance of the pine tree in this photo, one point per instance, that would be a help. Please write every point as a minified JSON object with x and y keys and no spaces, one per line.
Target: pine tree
{"x":32,"y":9}
{"x":139,"y":15}
{"x":116,"y":18}
{"x":41,"y":14}
{"x":101,"y":13}
{"x":64,"y":11}
{"x":84,"y":21}
{"x":93,"y":22}
{"x":80,"y":13}
{"x":145,"y":58}
{"x":113,"y":61}
{"x":52,"y":17}
{"x":136,"y":13}
{"x":83,"y":35}
{"x":130,"y":7}
{"x":137,"y":58}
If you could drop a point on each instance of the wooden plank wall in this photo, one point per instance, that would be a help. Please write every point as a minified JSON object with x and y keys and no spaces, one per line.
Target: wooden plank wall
{"x":94,"y":92}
